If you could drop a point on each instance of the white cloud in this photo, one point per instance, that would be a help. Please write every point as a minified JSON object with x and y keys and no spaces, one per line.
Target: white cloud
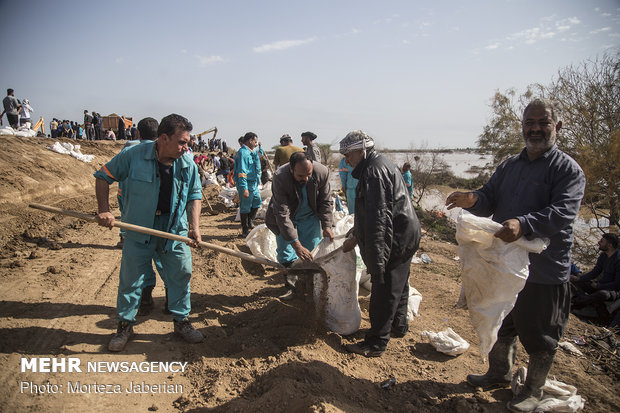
{"x":282,"y":45}
{"x":205,"y":61}
{"x":606,"y":14}
{"x":184,"y":51}
{"x":119,"y":60}
{"x":603,"y":29}
{"x":549,"y":28}
{"x":493,"y":46}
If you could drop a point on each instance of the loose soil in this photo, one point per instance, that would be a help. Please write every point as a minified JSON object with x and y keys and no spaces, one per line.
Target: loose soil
{"x":59,"y":277}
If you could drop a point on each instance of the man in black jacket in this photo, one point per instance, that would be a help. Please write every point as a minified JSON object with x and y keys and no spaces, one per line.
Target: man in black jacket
{"x":595,"y":290}
{"x":387,"y":231}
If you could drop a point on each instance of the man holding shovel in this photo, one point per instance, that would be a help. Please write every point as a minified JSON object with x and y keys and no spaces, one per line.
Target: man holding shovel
{"x":163,"y":192}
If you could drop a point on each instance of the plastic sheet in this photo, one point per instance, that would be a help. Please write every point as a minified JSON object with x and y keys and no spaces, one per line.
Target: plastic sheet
{"x":447,"y":342}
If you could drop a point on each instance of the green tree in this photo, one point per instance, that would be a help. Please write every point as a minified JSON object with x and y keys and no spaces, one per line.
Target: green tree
{"x":590,"y":97}
{"x":502,"y":135}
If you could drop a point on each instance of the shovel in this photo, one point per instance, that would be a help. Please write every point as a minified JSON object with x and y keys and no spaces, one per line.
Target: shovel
{"x":161,"y":234}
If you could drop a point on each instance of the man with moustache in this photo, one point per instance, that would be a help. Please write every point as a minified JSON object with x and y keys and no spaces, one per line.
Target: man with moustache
{"x":162,"y":191}
{"x":535,"y":194}
{"x":388,"y":233}
{"x":299,"y":213}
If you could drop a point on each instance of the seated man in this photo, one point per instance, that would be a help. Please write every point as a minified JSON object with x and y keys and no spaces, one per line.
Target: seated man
{"x":593,"y":291}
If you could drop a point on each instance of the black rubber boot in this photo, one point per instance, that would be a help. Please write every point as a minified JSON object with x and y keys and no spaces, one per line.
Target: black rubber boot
{"x":501,"y":359}
{"x":252,"y":217}
{"x":146,"y":301}
{"x":244,"y":224}
{"x":531,"y":393}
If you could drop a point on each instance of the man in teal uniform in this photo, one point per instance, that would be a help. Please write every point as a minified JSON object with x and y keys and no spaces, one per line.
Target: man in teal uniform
{"x":162,"y":190}
{"x":408,"y":179}
{"x":146,"y":131}
{"x":348,"y":184}
{"x":247,"y":177}
{"x":300,"y":206}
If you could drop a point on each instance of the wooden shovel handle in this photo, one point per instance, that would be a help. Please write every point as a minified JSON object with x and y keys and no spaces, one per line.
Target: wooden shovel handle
{"x":162,"y":234}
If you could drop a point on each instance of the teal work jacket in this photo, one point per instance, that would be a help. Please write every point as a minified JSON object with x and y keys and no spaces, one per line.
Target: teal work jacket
{"x":138,"y":167}
{"x":247,"y":167}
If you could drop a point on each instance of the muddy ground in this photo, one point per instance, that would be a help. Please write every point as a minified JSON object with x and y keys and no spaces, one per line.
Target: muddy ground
{"x":59,"y":278}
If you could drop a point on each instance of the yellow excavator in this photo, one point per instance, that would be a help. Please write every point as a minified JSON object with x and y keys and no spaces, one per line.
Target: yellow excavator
{"x":213,"y":129}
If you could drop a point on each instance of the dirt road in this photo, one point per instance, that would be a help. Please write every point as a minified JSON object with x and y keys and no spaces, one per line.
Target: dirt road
{"x":59,"y":278}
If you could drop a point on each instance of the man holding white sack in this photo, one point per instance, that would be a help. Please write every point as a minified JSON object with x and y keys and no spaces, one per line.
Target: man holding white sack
{"x":535,"y":194}
{"x":299,"y":213}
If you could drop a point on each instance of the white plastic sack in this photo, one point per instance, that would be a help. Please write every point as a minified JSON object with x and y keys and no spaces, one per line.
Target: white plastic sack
{"x":557,"y":396}
{"x":494,"y":272}
{"x":209,"y":179}
{"x":413,"y":305}
{"x":262,"y":242}
{"x":262,"y":211}
{"x":265,"y":190}
{"x":25,"y":133}
{"x":7,"y":130}
{"x":447,"y":342}
{"x":337,"y":292}
{"x":69,"y":149}
{"x":227,"y":195}
{"x":340,"y":295}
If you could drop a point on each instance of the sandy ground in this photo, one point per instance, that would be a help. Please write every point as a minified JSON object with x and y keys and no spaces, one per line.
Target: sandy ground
{"x":59,"y":278}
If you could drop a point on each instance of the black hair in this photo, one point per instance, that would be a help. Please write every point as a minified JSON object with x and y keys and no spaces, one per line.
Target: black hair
{"x":248,"y":136}
{"x":554,"y":105}
{"x":172,"y":124}
{"x":296,"y":158}
{"x":148,"y":128}
{"x":9,"y":91}
{"x":612,"y":239}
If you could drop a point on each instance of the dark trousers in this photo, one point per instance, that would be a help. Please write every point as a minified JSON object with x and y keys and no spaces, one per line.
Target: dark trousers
{"x":90,"y":132}
{"x":388,"y":305}
{"x":13,"y":120}
{"x":538,"y":317}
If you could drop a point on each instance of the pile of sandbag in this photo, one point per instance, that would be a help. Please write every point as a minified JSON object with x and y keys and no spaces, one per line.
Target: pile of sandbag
{"x":69,"y":149}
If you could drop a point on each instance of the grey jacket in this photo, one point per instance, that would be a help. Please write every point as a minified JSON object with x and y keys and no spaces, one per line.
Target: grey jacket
{"x":313,"y":153}
{"x":286,"y":196}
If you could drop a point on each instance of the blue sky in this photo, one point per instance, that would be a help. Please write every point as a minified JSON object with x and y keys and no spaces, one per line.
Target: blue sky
{"x":410,"y":73}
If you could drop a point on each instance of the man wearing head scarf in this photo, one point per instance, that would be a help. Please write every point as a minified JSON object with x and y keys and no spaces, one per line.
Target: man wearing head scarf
{"x":535,"y":194}
{"x":247,"y":177}
{"x":387,"y":231}
{"x":312,"y":151}
{"x":284,"y":151}
{"x":299,"y":209}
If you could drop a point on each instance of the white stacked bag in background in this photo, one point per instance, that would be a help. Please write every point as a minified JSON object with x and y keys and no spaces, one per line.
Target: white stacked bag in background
{"x":69,"y":149}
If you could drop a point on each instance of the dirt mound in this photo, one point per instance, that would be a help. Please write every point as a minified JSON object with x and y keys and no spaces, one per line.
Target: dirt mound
{"x":60,"y":275}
